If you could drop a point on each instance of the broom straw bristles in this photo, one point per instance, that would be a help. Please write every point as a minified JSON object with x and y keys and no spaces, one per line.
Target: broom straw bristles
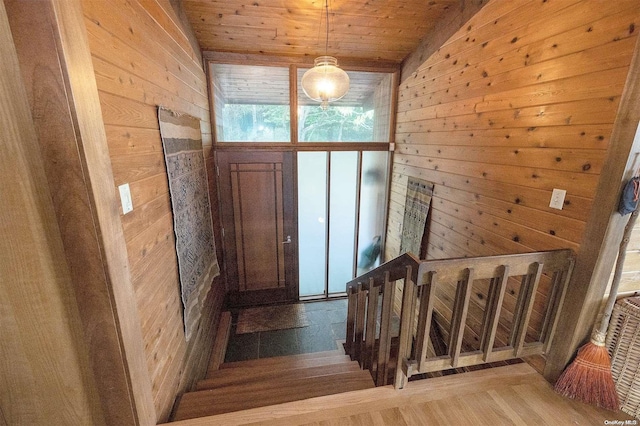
{"x":588,"y":378}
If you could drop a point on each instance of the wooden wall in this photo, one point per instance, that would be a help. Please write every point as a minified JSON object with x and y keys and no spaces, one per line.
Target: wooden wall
{"x":45,"y":371}
{"x":519,"y":101}
{"x":143,"y":57}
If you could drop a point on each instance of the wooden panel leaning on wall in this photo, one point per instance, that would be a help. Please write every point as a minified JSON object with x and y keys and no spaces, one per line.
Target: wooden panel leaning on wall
{"x":53,"y":119}
{"x":45,"y":370}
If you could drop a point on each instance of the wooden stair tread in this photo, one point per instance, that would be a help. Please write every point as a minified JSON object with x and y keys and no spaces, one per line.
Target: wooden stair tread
{"x":294,"y":363}
{"x":236,"y":376}
{"x":235,"y":398}
{"x":281,"y":361}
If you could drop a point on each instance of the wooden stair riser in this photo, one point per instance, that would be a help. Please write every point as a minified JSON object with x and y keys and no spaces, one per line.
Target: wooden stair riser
{"x":294,"y":364}
{"x":282,"y":362}
{"x":220,"y":344}
{"x":242,"y":397}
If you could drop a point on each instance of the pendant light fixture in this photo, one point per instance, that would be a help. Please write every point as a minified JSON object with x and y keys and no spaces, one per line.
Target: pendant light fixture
{"x":325,"y":82}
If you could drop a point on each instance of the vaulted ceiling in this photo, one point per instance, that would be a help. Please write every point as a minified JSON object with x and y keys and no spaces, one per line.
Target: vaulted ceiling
{"x":365,"y":29}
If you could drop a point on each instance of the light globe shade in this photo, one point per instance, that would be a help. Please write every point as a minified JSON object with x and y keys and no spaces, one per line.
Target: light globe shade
{"x":325,"y":82}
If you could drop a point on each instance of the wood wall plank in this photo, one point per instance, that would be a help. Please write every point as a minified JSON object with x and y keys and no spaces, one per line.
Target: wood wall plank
{"x":119,"y":82}
{"x":562,"y":137}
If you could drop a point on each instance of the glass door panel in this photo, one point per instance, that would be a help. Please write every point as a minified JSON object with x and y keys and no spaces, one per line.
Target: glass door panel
{"x":373,"y":190}
{"x":341,"y":213}
{"x":312,"y":214}
{"x":343,"y":185}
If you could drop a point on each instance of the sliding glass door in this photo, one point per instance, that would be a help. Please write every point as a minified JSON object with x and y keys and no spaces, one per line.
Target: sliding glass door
{"x":341,"y":217}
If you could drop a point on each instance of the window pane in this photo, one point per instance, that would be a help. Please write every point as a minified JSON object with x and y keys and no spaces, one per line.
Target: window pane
{"x":362,"y":115}
{"x":373,"y":189}
{"x":312,"y":209}
{"x":251,"y":103}
{"x":342,"y":218}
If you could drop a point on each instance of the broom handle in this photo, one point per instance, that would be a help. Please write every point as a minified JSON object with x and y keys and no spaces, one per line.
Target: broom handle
{"x":622,"y":253}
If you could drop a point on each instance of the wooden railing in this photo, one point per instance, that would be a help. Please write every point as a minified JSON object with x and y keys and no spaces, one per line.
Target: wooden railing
{"x":369,"y":338}
{"x":367,"y":341}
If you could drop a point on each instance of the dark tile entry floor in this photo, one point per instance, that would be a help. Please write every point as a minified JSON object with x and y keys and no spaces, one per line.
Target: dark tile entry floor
{"x":327,"y":326}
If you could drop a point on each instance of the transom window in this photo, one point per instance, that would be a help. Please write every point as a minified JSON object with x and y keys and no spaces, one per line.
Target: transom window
{"x":252,"y":103}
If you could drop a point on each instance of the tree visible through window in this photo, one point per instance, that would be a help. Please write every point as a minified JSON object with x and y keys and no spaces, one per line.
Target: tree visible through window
{"x":335,"y":124}
{"x":255,"y":123}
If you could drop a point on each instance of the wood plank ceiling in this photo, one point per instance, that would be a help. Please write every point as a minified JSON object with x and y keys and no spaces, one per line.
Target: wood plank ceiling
{"x":377,"y":30}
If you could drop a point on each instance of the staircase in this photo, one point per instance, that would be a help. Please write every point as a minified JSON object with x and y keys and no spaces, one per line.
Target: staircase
{"x":377,"y":353}
{"x":514,"y":394}
{"x":269,"y":381}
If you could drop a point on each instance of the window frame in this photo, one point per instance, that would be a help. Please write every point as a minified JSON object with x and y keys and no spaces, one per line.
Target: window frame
{"x":294,"y":63}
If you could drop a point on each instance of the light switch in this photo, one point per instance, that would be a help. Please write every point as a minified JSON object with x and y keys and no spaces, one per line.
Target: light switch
{"x":125,"y":198}
{"x":557,"y":199}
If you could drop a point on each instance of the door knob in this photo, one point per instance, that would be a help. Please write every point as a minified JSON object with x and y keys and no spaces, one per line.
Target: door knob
{"x":288,"y":240}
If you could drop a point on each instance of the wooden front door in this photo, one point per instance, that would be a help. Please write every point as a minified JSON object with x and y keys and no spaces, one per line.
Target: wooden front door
{"x":260,"y":232}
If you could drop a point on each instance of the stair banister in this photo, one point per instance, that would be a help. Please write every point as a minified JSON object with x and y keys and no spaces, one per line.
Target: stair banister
{"x":363,"y":294}
{"x":421,"y":280}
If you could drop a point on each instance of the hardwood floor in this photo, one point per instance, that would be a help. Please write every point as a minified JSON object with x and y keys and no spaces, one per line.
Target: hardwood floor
{"x":514,"y":394}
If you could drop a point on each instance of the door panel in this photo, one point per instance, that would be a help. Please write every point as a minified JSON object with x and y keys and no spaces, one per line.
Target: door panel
{"x":258,"y":207}
{"x":341,"y":217}
{"x":258,"y":218}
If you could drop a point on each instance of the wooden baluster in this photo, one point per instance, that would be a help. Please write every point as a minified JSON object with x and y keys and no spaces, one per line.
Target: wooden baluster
{"x":519,"y":308}
{"x":384,"y":347}
{"x":563,"y":278}
{"x":427,"y":300}
{"x":486,"y":317}
{"x":459,"y":317}
{"x":360,"y":319}
{"x":351,"y":322}
{"x":493,"y":313}
{"x":406,"y":326}
{"x":525,"y":313}
{"x":556,"y":281}
{"x":370,"y":333}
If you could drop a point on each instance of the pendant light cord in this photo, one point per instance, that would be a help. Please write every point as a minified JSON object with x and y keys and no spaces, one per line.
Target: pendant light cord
{"x":326,"y":45}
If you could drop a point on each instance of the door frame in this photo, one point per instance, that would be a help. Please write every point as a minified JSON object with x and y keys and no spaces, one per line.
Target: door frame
{"x":289,"y":293}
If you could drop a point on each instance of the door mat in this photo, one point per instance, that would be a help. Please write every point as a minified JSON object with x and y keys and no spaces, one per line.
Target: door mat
{"x":267,"y":318}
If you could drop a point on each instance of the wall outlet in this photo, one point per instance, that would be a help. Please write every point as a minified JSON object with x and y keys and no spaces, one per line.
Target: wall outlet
{"x":125,"y":198}
{"x":557,"y":199}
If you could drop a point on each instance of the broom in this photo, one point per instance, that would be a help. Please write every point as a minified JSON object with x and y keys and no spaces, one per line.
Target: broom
{"x":588,"y":378}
